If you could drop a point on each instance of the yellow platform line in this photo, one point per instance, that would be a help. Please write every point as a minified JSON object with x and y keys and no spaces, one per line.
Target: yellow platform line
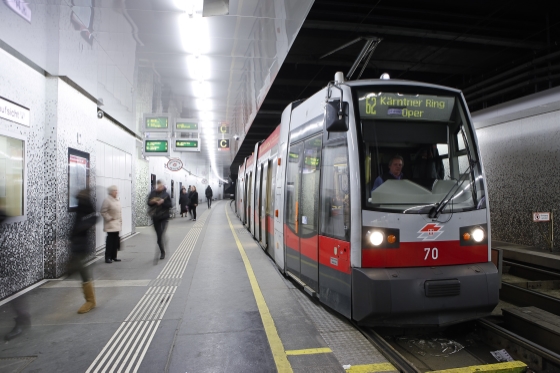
{"x":309,"y":351}
{"x":372,"y":368}
{"x":507,"y":367}
{"x":280,"y":357}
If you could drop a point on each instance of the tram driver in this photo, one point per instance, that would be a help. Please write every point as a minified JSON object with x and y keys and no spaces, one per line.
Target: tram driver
{"x":395,"y":172}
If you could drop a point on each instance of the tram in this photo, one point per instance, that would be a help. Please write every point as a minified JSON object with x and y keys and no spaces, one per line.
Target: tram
{"x":371,"y":195}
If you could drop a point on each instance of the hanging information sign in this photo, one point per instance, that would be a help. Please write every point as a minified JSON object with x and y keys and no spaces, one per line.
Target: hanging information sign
{"x":187,"y":145}
{"x":154,"y":147}
{"x":186,"y":125}
{"x":156,"y":123}
{"x":174,"y":164}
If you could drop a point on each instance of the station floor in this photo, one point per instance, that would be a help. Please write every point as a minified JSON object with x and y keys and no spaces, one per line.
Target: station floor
{"x":217,"y":303}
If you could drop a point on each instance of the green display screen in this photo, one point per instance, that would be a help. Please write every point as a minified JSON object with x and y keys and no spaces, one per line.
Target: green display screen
{"x":156,"y":146}
{"x":186,"y":143}
{"x":157,"y":123}
{"x":405,"y":106}
{"x":186,"y":126}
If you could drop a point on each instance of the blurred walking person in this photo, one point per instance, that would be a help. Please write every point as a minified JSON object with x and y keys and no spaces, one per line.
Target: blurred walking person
{"x":159,"y":204}
{"x":112,"y":224}
{"x":209,"y":195}
{"x":193,"y":202}
{"x":86,"y":217}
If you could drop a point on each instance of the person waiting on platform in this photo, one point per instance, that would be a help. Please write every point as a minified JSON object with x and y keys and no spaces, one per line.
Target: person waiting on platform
{"x":193,"y":202}
{"x":159,"y":204}
{"x":184,"y":202}
{"x":395,"y":172}
{"x":112,"y":224}
{"x":209,"y":195}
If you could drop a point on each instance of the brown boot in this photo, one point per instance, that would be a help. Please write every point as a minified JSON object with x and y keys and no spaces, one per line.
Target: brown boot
{"x":90,"y":297}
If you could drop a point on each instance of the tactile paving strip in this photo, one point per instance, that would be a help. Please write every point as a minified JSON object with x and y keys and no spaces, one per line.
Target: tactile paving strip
{"x":126,"y":349}
{"x":348,"y":345}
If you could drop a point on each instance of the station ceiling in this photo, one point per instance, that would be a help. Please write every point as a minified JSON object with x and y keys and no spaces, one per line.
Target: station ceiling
{"x":494,"y":51}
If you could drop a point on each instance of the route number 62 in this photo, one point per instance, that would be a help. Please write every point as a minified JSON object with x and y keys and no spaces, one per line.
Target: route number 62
{"x":434,"y":253}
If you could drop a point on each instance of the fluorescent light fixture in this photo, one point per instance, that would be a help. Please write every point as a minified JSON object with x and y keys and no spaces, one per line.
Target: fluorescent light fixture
{"x":193,"y":8}
{"x":198,"y":67}
{"x":204,"y":104}
{"x":206,"y":115}
{"x":201,"y":89}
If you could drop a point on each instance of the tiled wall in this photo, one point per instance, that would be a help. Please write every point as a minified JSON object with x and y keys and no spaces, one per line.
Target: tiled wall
{"x":521,"y":159}
{"x":21,"y":243}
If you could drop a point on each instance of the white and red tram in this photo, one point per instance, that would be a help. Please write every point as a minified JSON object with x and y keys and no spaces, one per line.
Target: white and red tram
{"x":408,"y":249}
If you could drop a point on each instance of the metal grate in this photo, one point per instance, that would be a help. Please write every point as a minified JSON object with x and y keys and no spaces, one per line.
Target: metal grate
{"x":442,"y":288}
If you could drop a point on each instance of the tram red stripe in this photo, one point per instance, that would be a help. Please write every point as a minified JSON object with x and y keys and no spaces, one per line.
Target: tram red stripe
{"x":424,"y":253}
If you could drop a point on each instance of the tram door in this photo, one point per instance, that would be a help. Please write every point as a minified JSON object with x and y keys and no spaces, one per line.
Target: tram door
{"x":263,"y":201}
{"x":250,"y":201}
{"x":302,"y":210}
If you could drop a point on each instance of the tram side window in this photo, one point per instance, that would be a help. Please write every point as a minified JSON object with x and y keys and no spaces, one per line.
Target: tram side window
{"x":335,"y":193}
{"x":11,"y":176}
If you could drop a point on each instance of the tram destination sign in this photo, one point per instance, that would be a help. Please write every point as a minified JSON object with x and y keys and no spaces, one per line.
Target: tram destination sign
{"x":394,"y":106}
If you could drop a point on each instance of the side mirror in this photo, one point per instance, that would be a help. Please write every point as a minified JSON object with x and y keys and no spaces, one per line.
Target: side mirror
{"x":336,"y":120}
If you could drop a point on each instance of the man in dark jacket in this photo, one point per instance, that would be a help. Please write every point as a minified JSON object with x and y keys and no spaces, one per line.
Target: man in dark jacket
{"x":159,"y":204}
{"x":86,"y":217}
{"x":209,"y":196}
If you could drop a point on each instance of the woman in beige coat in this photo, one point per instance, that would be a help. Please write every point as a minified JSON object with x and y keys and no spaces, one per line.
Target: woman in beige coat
{"x":112,"y":224}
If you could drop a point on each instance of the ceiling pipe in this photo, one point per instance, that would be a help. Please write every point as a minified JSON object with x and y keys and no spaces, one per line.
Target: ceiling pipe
{"x":526,"y":75}
{"x":512,"y":88}
{"x":509,"y":72}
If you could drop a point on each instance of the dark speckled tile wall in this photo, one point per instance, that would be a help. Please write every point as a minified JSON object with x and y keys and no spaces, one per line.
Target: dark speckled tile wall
{"x":521,"y":161}
{"x":21,"y":243}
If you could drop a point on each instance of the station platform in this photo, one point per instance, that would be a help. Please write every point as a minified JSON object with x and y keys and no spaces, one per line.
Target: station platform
{"x":529,"y":254}
{"x":217,"y":303}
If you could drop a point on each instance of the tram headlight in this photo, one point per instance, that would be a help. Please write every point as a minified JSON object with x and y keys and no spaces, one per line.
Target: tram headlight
{"x":478,"y":234}
{"x":376,"y":238}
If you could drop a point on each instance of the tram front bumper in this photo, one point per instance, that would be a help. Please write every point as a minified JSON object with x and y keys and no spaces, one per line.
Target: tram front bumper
{"x":424,"y":296}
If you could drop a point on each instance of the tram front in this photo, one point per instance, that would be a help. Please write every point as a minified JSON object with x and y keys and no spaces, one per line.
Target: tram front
{"x":425,"y":248}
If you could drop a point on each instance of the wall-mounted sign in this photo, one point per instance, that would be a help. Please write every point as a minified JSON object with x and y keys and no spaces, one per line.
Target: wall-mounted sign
{"x":14,"y":112}
{"x":223,"y":144}
{"x":223,"y":129}
{"x":156,"y":123}
{"x":78,"y":176}
{"x":21,"y":8}
{"x":174,"y":164}
{"x":156,"y":147}
{"x":541,"y":216}
{"x":184,"y":145}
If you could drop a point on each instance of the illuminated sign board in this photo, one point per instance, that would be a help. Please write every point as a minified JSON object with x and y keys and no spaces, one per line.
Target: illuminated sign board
{"x":156,"y":123}
{"x":223,"y":129}
{"x":396,"y":106}
{"x":184,"y":145}
{"x":223,"y":144}
{"x":156,"y":147}
{"x":186,"y":126}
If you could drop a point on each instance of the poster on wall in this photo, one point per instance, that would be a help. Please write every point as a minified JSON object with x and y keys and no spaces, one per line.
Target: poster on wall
{"x":78,"y":175}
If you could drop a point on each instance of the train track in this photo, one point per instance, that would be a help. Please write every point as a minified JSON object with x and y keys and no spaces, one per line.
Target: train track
{"x":490,"y":337}
{"x":524,"y":286}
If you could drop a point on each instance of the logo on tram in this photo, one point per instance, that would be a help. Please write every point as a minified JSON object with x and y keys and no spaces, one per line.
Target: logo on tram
{"x":430,"y":231}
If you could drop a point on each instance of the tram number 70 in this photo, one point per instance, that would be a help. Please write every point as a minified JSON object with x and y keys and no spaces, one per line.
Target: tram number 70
{"x":434,"y":253}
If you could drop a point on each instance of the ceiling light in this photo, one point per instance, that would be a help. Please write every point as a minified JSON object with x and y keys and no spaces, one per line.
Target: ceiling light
{"x":206,"y":115}
{"x":204,"y":105}
{"x":199,"y":67}
{"x":201,"y":89}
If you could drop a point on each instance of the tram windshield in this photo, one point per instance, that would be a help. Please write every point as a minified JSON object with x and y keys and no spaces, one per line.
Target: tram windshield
{"x":420,"y":156}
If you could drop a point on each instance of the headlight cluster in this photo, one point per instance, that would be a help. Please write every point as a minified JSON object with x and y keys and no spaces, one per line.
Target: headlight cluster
{"x":382,"y":237}
{"x":473,"y":235}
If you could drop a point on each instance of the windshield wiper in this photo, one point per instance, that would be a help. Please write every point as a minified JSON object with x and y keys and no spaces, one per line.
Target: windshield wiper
{"x":438,"y":208}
